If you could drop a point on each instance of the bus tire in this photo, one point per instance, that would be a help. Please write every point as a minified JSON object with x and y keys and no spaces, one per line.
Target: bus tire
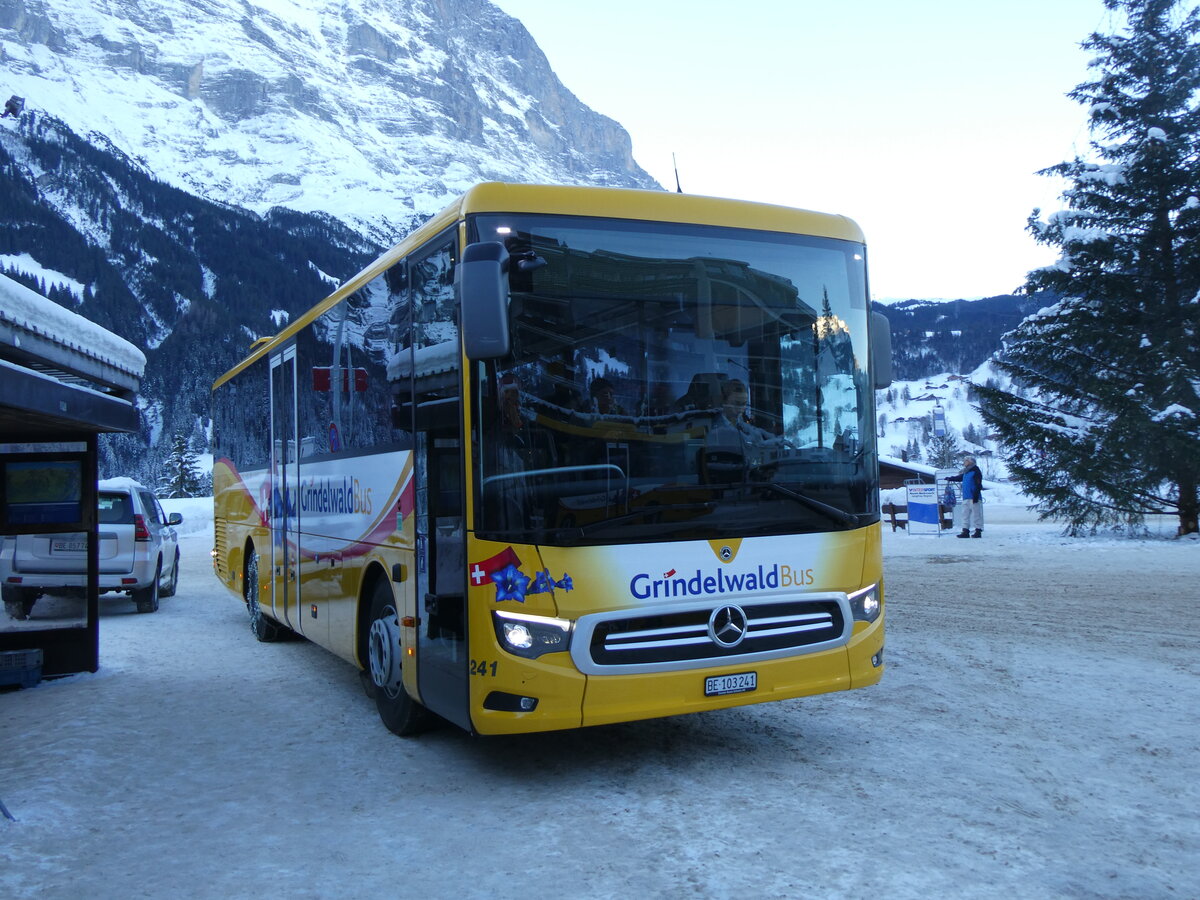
{"x":147,"y":598}
{"x":400,"y":713}
{"x":264,"y":628}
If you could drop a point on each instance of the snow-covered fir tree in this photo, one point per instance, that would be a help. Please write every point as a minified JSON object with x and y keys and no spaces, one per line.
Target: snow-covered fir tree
{"x":943,"y":451}
{"x":1109,"y":427}
{"x":972,"y":435}
{"x":181,"y":474}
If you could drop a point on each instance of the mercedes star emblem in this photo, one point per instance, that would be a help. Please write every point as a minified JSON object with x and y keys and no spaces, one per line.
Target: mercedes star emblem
{"x":727,"y":626}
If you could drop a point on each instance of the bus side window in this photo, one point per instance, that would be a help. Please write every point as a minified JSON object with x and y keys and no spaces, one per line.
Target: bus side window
{"x":242,"y":418}
{"x":399,"y":354}
{"x":347,"y":378}
{"x":432,"y":278}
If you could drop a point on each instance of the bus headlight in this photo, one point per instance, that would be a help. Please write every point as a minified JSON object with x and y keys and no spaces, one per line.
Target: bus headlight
{"x":865,"y":604}
{"x":531,"y":636}
{"x":517,"y":635}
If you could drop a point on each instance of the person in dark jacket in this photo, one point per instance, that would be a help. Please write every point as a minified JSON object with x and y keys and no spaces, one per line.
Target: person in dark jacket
{"x":972,"y":498}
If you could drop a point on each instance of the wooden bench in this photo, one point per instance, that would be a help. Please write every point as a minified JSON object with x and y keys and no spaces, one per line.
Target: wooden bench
{"x":897,"y":514}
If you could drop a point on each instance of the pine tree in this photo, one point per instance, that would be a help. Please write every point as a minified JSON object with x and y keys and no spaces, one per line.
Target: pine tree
{"x":943,"y":452}
{"x":1109,"y":427}
{"x":181,"y":477}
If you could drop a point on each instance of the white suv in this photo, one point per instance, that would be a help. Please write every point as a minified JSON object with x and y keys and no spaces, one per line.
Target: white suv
{"x":139,"y":553}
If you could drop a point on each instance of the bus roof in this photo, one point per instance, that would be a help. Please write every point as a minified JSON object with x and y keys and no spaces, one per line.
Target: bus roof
{"x":653,"y":206}
{"x":599,"y":202}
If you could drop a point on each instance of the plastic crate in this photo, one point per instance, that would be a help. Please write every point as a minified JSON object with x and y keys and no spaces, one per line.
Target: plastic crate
{"x":23,"y":667}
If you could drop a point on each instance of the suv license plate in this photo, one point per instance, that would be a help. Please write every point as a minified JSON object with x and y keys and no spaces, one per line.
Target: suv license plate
{"x":69,"y":546}
{"x":730,"y":684}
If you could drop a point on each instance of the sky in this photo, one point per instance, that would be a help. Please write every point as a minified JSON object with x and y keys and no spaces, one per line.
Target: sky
{"x":924,"y":121}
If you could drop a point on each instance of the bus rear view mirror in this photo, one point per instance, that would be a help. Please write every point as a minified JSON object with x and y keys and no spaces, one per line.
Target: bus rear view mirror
{"x":881,"y":350}
{"x":482,"y":282}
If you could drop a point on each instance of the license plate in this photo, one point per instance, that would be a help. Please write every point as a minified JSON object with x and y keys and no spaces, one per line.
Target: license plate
{"x":68,"y":546}
{"x":717,"y":685}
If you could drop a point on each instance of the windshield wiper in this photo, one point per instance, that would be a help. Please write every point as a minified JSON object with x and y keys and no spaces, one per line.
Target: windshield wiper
{"x":843,"y":518}
{"x":581,"y":531}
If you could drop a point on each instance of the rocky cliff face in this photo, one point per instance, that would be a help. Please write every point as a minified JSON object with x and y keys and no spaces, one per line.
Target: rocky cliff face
{"x":183,"y":169}
{"x":374,"y":111}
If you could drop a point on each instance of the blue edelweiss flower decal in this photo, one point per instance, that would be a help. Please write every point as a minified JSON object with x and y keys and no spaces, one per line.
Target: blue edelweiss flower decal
{"x":542,"y":582}
{"x":511,"y":584}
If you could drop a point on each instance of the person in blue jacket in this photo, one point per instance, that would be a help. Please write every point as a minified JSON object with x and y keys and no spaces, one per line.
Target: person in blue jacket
{"x":972,"y":498}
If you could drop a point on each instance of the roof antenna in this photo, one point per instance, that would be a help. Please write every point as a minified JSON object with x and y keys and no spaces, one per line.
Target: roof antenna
{"x":678,"y":189}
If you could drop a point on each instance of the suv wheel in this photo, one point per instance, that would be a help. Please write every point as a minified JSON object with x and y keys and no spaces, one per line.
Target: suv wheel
{"x":147,"y":598}
{"x":18,"y":602}
{"x":173,"y":581}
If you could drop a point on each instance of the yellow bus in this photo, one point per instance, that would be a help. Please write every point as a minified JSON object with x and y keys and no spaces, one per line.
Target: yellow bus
{"x":568,"y":456}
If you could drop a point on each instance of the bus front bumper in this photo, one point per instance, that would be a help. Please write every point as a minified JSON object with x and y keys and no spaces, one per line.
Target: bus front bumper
{"x":550,"y":693}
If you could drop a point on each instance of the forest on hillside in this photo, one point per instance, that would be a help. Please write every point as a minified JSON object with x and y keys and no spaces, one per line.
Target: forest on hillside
{"x":190,"y":282}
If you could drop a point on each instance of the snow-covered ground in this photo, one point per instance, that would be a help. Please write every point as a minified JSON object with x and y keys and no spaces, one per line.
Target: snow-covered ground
{"x":1035,"y":735}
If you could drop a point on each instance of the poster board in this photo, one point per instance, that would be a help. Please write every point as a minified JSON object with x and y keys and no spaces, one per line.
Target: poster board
{"x":923,"y":513}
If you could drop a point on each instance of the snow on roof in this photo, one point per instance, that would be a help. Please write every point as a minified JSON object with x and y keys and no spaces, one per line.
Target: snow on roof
{"x":120,"y":483}
{"x":25,"y":309}
{"x":431,"y":360}
{"x":914,"y":467}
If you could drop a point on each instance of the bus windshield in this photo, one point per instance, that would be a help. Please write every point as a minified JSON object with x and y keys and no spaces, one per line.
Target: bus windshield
{"x":674,"y":382}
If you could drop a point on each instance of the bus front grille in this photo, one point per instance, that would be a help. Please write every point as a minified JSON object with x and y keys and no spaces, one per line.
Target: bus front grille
{"x":715,"y":633}
{"x":219,"y":546}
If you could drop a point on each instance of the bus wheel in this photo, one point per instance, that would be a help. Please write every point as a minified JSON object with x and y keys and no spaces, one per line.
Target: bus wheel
{"x":262,"y":627}
{"x":400,"y":713}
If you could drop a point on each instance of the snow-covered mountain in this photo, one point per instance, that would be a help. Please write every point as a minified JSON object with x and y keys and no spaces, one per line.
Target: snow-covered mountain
{"x":909,"y":412}
{"x":929,"y":336}
{"x":189,"y":282}
{"x":373,"y":111}
{"x":185,"y":170}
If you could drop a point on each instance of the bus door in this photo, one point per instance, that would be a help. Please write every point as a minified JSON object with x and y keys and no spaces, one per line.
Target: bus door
{"x":438,"y":463}
{"x":441,"y":567}
{"x":285,"y":481}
